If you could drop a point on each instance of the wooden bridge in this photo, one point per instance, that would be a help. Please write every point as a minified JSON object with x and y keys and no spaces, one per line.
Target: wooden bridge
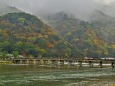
{"x":77,"y":62}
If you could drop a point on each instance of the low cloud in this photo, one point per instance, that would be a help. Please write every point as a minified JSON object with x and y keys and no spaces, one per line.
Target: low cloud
{"x":80,"y":8}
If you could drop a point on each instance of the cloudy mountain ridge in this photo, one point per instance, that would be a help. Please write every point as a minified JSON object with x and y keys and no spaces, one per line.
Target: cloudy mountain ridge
{"x":96,"y":36}
{"x":4,"y":9}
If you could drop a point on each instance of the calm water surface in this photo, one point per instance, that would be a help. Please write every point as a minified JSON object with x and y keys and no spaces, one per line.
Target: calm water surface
{"x":34,"y":75}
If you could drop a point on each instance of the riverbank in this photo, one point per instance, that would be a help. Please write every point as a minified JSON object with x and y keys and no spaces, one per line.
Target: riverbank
{"x":5,"y":62}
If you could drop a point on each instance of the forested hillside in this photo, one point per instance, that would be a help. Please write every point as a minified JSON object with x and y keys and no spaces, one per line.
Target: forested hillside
{"x":104,"y":26}
{"x":95,"y":38}
{"x":24,"y":34}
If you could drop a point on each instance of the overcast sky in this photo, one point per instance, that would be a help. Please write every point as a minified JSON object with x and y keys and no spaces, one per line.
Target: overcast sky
{"x":80,"y":8}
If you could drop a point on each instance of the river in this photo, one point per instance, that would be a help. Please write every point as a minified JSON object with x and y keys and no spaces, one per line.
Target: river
{"x":34,"y":75}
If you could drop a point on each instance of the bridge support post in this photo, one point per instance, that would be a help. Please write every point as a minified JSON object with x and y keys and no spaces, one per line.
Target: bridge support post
{"x":100,"y":63}
{"x":49,"y":62}
{"x":90,"y":64}
{"x":59,"y":62}
{"x":41,"y":62}
{"x":34,"y":61}
{"x":20,"y":62}
{"x":112,"y":64}
{"x":27,"y":61}
{"x":80,"y":63}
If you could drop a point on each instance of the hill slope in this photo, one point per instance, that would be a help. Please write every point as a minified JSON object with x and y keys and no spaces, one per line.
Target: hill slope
{"x":104,"y":25}
{"x":29,"y":36}
{"x":95,"y":39}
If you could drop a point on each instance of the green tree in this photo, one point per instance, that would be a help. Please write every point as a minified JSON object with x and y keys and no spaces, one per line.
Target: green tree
{"x":4,"y":55}
{"x":21,"y":20}
{"x":67,"y":52}
{"x":6,"y":46}
{"x":15,"y":54}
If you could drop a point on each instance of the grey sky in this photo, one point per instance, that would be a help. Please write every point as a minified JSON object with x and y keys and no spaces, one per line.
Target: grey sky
{"x":80,"y":8}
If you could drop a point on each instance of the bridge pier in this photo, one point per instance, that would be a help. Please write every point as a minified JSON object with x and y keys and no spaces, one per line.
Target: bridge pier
{"x":41,"y":62}
{"x":112,"y":64}
{"x":49,"y":62}
{"x":100,"y":63}
{"x":90,"y":64}
{"x":80,"y":63}
{"x":27,"y":61}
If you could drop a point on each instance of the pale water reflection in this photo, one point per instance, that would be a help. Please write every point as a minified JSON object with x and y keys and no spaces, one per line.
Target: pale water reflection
{"x":34,"y":75}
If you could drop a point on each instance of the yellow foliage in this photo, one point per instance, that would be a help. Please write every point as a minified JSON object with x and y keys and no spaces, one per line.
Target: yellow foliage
{"x":113,"y":46}
{"x":99,"y":52}
{"x":40,"y":36}
{"x":45,"y":36}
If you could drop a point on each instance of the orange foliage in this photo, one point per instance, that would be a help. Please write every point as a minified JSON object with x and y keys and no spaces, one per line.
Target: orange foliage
{"x":49,"y":45}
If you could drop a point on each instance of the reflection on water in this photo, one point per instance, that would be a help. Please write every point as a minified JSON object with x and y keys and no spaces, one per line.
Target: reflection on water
{"x":34,"y":75}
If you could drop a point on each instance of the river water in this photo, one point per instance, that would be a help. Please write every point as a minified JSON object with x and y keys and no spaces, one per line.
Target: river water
{"x":34,"y":75}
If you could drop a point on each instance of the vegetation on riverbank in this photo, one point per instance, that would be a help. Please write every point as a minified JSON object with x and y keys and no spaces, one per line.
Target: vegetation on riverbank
{"x":5,"y":62}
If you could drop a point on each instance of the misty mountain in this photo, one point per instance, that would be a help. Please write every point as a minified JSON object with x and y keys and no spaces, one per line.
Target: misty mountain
{"x":4,"y":9}
{"x":100,"y":22}
{"x":104,"y":25}
{"x":62,"y":21}
{"x":100,"y":16}
{"x":93,"y":36}
{"x":29,"y":36}
{"x":77,"y":37}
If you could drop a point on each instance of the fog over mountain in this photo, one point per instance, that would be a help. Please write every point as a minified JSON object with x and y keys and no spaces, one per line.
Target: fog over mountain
{"x":80,"y":8}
